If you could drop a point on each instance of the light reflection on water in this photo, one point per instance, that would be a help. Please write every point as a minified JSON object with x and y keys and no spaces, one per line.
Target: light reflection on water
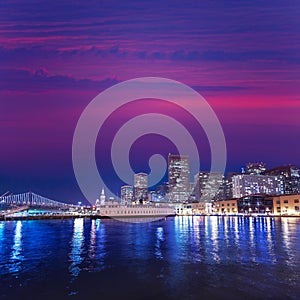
{"x":215,"y":238}
{"x":174,"y":256}
{"x":16,"y":256}
{"x":2,"y":228}
{"x":76,"y":256}
{"x":100,"y":253}
{"x":159,"y":240}
{"x":270,"y":239}
{"x":287,"y":232}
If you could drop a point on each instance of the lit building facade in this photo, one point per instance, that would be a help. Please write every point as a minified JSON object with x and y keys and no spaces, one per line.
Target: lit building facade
{"x":179,"y":177}
{"x":290,"y":176}
{"x":286,"y":205}
{"x":255,"y":204}
{"x":229,"y":206}
{"x":209,"y":186}
{"x":228,"y":194}
{"x":126,"y":194}
{"x":140,"y":187}
{"x":245,"y":185}
{"x":256,"y":168}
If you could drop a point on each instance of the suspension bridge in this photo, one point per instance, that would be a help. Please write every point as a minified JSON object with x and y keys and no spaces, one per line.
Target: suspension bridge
{"x":30,"y":199}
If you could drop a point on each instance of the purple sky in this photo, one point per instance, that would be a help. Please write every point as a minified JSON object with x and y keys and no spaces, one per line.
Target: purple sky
{"x":56,"y":56}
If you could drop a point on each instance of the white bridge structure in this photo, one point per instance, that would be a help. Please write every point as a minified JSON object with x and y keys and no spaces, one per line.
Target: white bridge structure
{"x":31,"y":199}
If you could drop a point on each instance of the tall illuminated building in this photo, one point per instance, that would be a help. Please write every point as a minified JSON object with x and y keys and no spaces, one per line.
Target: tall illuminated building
{"x":246,"y":185}
{"x":208,"y":186}
{"x":126,"y":194}
{"x":140,"y":186}
{"x":228,"y":194}
{"x":179,"y":177}
{"x":291,"y":178}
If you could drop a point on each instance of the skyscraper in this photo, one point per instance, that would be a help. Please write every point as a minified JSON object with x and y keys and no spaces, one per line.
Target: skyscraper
{"x":140,"y":186}
{"x":290,"y":175}
{"x":228,"y":194}
{"x":126,"y":194}
{"x":208,"y":186}
{"x":179,"y":177}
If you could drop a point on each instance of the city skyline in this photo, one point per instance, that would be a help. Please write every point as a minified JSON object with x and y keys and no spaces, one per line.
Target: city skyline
{"x":254,"y":179}
{"x":54,"y":61}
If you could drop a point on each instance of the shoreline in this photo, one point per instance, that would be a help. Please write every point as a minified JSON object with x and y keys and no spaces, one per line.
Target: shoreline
{"x":68,"y":217}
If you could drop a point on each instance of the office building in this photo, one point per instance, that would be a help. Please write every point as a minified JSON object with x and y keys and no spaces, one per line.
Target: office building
{"x":208,"y":186}
{"x":179,"y":177}
{"x":291,"y":178}
{"x":126,"y":194}
{"x":140,"y":187}
{"x":245,"y":185}
{"x":228,"y":194}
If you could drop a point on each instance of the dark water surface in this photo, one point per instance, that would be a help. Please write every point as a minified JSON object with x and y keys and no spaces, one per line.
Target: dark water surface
{"x":176,"y":258}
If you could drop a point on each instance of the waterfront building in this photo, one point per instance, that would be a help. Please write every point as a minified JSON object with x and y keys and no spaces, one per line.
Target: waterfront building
{"x":256,"y":204}
{"x":208,"y":186}
{"x":179,"y":177}
{"x":286,"y":205}
{"x":245,"y":185}
{"x":190,"y":209}
{"x":255,"y":168}
{"x":140,"y":187}
{"x":291,"y":178}
{"x":126,"y":194}
{"x":229,"y":206}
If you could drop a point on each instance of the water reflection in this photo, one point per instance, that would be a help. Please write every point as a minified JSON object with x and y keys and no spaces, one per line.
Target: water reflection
{"x":1,"y":236}
{"x":270,"y":238}
{"x":76,"y":256}
{"x":159,"y":240}
{"x":93,"y":236}
{"x":251,"y":239}
{"x":215,"y":238}
{"x":16,"y":256}
{"x":286,"y":232}
{"x":100,"y":251}
{"x":218,"y":239}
